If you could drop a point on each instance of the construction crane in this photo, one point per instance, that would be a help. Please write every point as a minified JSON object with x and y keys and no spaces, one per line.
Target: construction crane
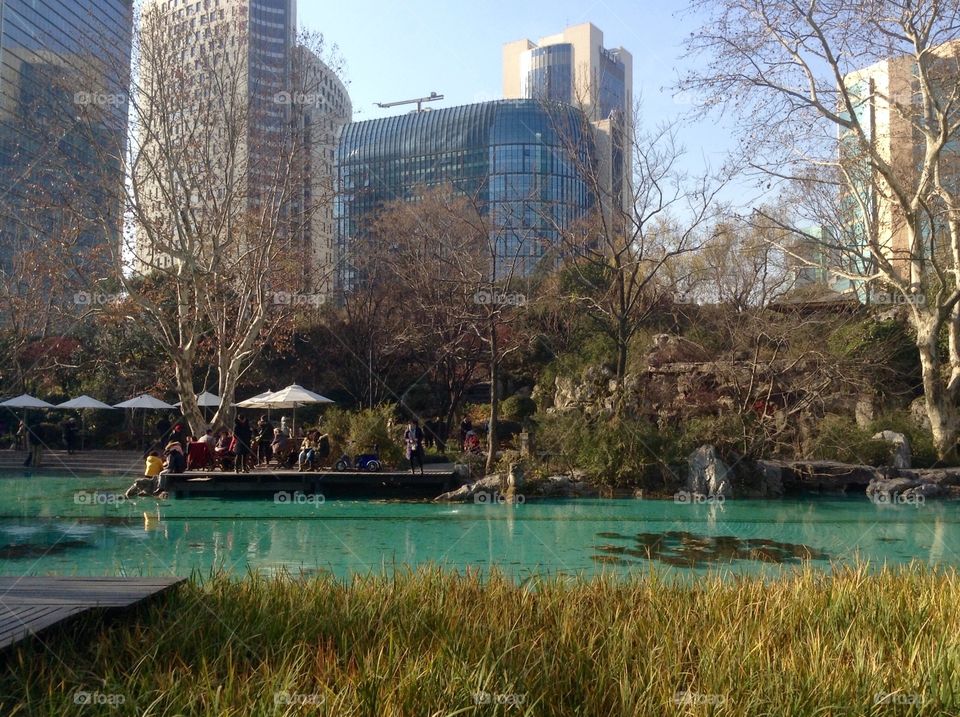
{"x":419,"y":102}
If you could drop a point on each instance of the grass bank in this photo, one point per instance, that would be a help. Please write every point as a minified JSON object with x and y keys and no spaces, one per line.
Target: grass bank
{"x":432,"y":643}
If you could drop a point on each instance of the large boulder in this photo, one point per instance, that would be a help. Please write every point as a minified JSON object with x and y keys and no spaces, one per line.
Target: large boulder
{"x":707,"y":474}
{"x":918,"y":411}
{"x":467,"y":493}
{"x":905,"y":490}
{"x":770,"y":479}
{"x":902,"y":456}
{"x":889,"y":488}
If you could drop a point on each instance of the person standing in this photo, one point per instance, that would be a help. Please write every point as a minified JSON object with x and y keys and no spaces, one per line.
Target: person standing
{"x":466,"y":425}
{"x":179,"y":435}
{"x":70,"y":435}
{"x":264,"y":440}
{"x":413,"y":440}
{"x":163,"y":430}
{"x":243,"y":436}
{"x":20,"y":438}
{"x":35,"y":445}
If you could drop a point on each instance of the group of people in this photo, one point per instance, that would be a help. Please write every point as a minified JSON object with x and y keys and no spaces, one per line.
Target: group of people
{"x":247,"y":446}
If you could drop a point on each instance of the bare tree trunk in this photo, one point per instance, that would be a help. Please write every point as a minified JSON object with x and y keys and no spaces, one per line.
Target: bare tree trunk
{"x":183,"y":367}
{"x":494,"y":399}
{"x":938,"y":398}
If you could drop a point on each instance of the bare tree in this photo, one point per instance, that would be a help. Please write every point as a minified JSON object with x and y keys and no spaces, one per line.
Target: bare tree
{"x":220,"y":193}
{"x":742,"y":267}
{"x":459,"y":267}
{"x":863,"y":95}
{"x":416,"y":242}
{"x":621,"y":253}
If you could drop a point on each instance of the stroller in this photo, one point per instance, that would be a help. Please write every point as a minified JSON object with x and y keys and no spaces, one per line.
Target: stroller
{"x":363,"y":462}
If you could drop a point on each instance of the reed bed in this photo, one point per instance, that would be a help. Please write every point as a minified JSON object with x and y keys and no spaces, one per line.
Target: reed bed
{"x":850,"y":642}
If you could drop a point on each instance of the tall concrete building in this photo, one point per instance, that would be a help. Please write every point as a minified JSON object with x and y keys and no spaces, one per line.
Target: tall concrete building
{"x":289,"y":108}
{"x":320,"y":114}
{"x":889,"y":107}
{"x":61,"y":179}
{"x":574,"y":67}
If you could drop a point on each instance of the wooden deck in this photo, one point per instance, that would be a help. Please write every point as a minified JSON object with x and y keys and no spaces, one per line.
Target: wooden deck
{"x":29,"y":605}
{"x":331,"y":484}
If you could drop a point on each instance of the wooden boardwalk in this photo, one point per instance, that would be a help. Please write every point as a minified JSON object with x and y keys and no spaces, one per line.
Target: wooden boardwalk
{"x":29,"y":605}
{"x":332,"y":484}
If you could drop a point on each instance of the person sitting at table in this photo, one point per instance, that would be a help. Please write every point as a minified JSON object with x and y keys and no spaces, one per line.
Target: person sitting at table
{"x":176,"y":460}
{"x":280,"y":447}
{"x":308,"y":451}
{"x":222,"y":450}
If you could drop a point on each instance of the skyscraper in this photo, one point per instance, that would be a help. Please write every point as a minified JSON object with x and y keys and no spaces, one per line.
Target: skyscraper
{"x":888,"y":103}
{"x":574,"y":67}
{"x":61,"y":179}
{"x":320,"y":112}
{"x":520,"y":161}
{"x":261,"y":115}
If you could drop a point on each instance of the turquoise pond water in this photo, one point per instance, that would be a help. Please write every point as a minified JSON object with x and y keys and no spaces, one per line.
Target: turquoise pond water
{"x":82,"y":526}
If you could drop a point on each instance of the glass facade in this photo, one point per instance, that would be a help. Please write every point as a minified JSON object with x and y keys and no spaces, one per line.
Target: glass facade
{"x":521,"y":159}
{"x":551,"y":74}
{"x":64,"y":77}
{"x":271,"y":40}
{"x":612,"y":92}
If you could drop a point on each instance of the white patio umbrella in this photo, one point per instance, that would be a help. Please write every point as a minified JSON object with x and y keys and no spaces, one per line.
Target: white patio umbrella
{"x":292,"y":396}
{"x":148,"y":403}
{"x":84,"y":403}
{"x":257,"y":401}
{"x":204,"y":400}
{"x":26,"y":401}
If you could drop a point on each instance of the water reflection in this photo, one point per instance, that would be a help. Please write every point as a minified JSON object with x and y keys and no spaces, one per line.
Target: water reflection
{"x":691,"y":550}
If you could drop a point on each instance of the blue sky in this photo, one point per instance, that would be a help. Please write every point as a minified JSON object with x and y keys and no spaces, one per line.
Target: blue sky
{"x":397,"y":51}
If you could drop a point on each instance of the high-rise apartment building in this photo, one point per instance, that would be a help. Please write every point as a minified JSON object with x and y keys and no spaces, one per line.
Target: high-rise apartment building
{"x":263,"y":114}
{"x":321,"y":112}
{"x":61,"y":179}
{"x":574,"y":67}
{"x":889,"y":108}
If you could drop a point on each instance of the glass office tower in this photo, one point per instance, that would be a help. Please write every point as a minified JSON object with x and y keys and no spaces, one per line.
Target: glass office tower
{"x":62,"y":62}
{"x":523,"y":161}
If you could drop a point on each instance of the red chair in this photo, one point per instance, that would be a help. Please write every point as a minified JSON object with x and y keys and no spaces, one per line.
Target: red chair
{"x":198,"y":457}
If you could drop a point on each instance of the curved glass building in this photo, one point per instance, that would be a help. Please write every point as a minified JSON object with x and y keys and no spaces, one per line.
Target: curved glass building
{"x":521,"y":159}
